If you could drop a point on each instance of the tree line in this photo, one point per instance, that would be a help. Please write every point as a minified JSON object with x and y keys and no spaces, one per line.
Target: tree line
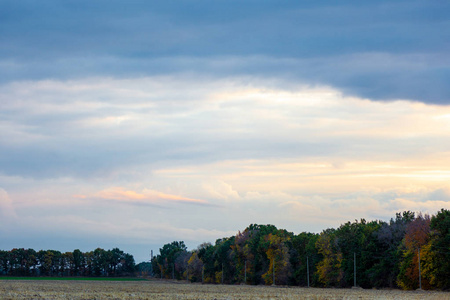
{"x":100,"y":262}
{"x":387,"y":255}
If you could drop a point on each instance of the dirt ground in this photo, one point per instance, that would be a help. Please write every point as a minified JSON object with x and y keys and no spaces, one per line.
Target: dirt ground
{"x":33,"y":289}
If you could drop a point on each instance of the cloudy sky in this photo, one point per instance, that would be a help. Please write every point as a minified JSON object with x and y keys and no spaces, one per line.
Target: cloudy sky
{"x":132,"y":124}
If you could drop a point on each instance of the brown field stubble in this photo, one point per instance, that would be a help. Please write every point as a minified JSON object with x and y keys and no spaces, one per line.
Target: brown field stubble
{"x":155,"y":289}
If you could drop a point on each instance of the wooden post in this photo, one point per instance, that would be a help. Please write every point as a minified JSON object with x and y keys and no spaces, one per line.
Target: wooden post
{"x":307,"y":268}
{"x":420,"y":275}
{"x":273,"y":271}
{"x":245,"y":273}
{"x":354,"y":268}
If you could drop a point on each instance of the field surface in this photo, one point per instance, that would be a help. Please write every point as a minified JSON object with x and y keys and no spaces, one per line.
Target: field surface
{"x":56,"y":289}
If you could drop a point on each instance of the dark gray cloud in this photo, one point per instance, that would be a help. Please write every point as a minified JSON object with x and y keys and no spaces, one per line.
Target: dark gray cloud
{"x":381,"y":50}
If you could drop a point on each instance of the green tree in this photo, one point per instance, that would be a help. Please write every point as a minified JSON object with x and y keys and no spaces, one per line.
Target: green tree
{"x":100,"y":262}
{"x":223,"y":260}
{"x":388,"y":239}
{"x":165,"y":262}
{"x":304,"y":251}
{"x":4,"y":262}
{"x":78,"y":262}
{"x":440,"y":246}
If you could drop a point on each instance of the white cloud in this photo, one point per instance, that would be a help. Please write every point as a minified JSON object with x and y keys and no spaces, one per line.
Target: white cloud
{"x":127,"y":158}
{"x":6,"y":206}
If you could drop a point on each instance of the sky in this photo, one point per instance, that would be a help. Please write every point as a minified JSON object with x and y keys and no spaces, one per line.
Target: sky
{"x":133,"y":124}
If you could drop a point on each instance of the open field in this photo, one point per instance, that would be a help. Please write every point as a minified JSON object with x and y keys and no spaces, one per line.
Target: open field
{"x":34,"y":289}
{"x":75,"y":278}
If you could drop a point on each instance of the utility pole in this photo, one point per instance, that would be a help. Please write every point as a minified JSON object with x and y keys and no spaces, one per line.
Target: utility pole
{"x":307,"y":268}
{"x":420,"y":275}
{"x":203,"y":274}
{"x":245,"y":273}
{"x":151,"y":263}
{"x":173,"y":271}
{"x":273,"y":271}
{"x":354,"y":268}
{"x":222,"y":273}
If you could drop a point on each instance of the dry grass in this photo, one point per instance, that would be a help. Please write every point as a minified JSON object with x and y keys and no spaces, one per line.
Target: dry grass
{"x":17,"y":289}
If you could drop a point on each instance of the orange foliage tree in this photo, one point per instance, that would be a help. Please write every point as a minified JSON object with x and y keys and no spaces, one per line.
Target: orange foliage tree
{"x":417,"y":239}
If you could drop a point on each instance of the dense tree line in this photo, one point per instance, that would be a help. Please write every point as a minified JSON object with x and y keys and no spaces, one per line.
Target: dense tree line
{"x":387,"y":255}
{"x":100,"y":262}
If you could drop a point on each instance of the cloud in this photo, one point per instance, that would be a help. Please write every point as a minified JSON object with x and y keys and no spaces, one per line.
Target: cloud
{"x":7,"y":211}
{"x":147,"y":196}
{"x":102,"y":124}
{"x":149,"y":122}
{"x":382,"y":50}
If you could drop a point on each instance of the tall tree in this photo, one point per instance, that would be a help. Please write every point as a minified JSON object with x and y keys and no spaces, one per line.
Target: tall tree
{"x":416,"y":237}
{"x":329,"y":269}
{"x":195,"y":268}
{"x":388,"y":240}
{"x":165,"y":260}
{"x":440,"y":246}
{"x":78,"y":262}
{"x":279,"y":259}
{"x":304,"y":252}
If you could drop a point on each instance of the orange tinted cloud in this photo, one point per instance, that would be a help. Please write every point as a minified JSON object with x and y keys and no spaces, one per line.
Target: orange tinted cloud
{"x":146,"y":196}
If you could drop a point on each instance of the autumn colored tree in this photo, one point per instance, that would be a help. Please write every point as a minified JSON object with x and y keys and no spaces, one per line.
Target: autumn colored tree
{"x":243,"y":256}
{"x":417,"y":237}
{"x":387,"y":255}
{"x":195,"y":268}
{"x":279,"y":259}
{"x":258,"y":263}
{"x":329,"y":269}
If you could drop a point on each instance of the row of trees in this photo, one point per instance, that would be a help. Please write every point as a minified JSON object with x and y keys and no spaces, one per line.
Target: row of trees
{"x":387,"y":255}
{"x":100,"y":262}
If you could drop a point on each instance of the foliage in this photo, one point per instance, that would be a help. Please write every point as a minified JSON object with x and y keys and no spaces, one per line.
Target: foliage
{"x":100,"y":262}
{"x":416,"y":237}
{"x":386,"y":255}
{"x":164,"y":263}
{"x":329,"y":268}
{"x":440,"y":247}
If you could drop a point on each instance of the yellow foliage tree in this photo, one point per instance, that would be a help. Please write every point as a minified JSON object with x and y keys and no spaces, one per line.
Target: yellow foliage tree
{"x":278,"y":254}
{"x":329,"y":268}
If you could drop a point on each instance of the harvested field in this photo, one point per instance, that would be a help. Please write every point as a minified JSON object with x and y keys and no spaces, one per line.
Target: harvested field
{"x":34,"y":289}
